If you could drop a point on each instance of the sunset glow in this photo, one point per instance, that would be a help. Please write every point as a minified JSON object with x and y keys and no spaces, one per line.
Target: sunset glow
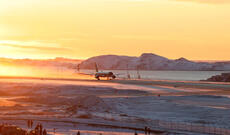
{"x":120,"y":67}
{"x":41,"y":29}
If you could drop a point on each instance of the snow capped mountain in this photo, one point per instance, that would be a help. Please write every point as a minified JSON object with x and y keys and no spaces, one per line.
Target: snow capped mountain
{"x":149,"y":61}
{"x":109,"y":62}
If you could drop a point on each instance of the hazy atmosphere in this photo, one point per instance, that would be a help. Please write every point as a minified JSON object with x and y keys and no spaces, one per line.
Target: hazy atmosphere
{"x":40,"y":29}
{"x":114,"y":67}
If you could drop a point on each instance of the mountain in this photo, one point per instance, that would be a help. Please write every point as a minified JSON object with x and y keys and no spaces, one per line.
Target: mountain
{"x":57,"y":62}
{"x":149,"y":61}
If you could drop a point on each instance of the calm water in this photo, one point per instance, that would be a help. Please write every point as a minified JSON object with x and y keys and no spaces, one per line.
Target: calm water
{"x":166,"y":75}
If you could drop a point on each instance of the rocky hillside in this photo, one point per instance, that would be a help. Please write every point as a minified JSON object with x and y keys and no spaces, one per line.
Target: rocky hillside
{"x":149,"y":61}
{"x":224,"y":77}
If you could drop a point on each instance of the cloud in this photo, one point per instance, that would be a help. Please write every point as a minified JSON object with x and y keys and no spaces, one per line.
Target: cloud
{"x":207,"y":1}
{"x":36,"y":47}
{"x":33,"y":45}
{"x":29,"y":43}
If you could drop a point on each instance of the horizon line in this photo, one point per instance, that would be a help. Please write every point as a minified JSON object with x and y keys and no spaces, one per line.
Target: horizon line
{"x":85,"y":58}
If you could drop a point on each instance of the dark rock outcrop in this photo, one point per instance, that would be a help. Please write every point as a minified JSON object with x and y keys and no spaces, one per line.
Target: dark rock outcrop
{"x":11,"y":130}
{"x":224,"y":77}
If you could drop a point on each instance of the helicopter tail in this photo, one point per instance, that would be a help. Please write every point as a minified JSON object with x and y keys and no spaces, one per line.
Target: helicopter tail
{"x":96,"y":67}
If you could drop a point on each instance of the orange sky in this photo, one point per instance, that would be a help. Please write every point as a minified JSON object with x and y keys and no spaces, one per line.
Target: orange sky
{"x":195,"y":29}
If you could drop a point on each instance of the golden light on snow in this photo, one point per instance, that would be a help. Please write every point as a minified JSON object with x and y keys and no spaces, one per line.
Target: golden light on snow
{"x":6,"y":70}
{"x":39,"y":71}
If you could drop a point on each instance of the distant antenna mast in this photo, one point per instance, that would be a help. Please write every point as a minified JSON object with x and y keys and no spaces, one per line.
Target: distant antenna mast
{"x":78,"y":67}
{"x":138,"y":74}
{"x":128,"y":75}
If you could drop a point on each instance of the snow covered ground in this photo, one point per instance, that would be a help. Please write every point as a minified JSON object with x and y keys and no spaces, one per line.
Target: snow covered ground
{"x":114,"y":107}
